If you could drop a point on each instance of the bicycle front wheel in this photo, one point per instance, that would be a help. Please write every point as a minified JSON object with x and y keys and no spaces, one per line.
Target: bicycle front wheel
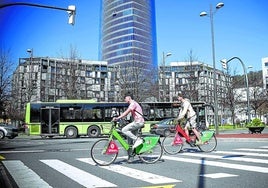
{"x":99,"y":154}
{"x":153,"y":155}
{"x":169,"y":146}
{"x":209,"y":145}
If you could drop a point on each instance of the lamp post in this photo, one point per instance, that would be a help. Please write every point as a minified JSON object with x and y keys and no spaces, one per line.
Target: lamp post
{"x":163,"y":74}
{"x":224,"y":61}
{"x":211,"y":15}
{"x":30,"y":87}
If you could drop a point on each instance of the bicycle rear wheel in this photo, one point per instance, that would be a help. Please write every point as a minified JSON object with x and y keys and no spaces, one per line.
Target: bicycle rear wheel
{"x":153,"y":155}
{"x":209,"y":145}
{"x":99,"y":154}
{"x":169,"y":146}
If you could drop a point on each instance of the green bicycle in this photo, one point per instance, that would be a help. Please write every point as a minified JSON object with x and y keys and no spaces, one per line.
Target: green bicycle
{"x":105,"y":151}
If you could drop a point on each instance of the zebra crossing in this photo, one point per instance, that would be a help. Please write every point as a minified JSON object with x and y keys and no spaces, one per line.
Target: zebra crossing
{"x":243,"y":159}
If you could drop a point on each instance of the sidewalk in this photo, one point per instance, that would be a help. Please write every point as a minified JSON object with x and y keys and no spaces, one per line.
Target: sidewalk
{"x":242,"y":133}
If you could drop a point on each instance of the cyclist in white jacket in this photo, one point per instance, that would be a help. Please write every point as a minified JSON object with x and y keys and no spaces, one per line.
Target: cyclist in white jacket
{"x":188,"y":111}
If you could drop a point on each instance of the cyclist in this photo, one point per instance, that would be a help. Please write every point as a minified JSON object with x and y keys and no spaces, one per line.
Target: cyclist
{"x":136,"y":111}
{"x":187,"y":109}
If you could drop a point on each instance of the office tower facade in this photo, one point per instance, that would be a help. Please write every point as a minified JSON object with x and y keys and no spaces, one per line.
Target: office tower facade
{"x":128,"y":33}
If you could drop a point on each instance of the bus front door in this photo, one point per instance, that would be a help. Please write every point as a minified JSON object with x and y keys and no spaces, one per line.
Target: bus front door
{"x":50,"y":119}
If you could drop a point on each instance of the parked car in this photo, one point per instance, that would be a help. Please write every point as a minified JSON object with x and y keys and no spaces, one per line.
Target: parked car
{"x":8,"y":131}
{"x":163,"y":128}
{"x":3,"y":132}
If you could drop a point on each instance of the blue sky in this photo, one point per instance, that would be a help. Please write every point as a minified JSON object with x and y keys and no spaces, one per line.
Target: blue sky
{"x":240,"y":29}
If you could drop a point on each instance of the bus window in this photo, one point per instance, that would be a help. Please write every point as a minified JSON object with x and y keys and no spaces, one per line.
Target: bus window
{"x":71,"y":113}
{"x":92,"y":112}
{"x":97,"y":115}
{"x":35,"y":113}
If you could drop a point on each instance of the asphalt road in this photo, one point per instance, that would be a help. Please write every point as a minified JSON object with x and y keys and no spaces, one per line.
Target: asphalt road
{"x":34,"y":162}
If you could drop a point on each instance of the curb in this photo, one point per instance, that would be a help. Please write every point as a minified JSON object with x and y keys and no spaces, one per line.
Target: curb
{"x":242,"y":137}
{"x":5,"y":179}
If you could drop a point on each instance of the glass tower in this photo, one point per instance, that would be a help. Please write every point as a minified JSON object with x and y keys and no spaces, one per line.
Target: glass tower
{"x":128,"y":32}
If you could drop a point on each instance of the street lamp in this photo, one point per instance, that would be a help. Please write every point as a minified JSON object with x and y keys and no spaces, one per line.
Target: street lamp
{"x":224,"y":61}
{"x":30,"y":51}
{"x":71,"y":10}
{"x":210,"y":15}
{"x":163,"y":75}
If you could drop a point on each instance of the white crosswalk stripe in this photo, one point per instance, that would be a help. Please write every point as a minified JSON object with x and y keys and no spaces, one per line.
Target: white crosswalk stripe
{"x":232,"y":158}
{"x":254,"y":150}
{"x":243,"y":153}
{"x":23,"y":176}
{"x":130,"y":172}
{"x":221,"y":164}
{"x":80,"y":176}
{"x":251,"y":160}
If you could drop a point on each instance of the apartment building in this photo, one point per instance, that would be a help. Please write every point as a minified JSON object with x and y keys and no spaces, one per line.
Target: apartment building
{"x":196,"y":81}
{"x":49,"y":79}
{"x":265,"y":72}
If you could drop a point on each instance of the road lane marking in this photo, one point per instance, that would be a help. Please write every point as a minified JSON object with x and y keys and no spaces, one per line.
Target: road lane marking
{"x":243,"y":153}
{"x":23,"y":176}
{"x":1,"y":157}
{"x":23,"y":151}
{"x":160,"y":186}
{"x":219,"y":164}
{"x":79,"y":176}
{"x":133,"y":173}
{"x":233,"y":158}
{"x":254,"y":150}
{"x":218,"y":175}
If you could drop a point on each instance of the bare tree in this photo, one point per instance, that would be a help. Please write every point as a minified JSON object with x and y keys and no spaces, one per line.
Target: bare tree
{"x":258,"y":99}
{"x":70,"y":83}
{"x":192,"y":92}
{"x":232,"y":97}
{"x":5,"y":83}
{"x":136,"y":78}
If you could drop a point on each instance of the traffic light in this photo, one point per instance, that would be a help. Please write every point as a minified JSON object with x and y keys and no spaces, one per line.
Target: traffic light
{"x":224,"y":63}
{"x":71,"y":12}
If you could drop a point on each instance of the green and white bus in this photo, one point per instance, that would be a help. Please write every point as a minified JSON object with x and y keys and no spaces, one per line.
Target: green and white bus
{"x":74,"y":118}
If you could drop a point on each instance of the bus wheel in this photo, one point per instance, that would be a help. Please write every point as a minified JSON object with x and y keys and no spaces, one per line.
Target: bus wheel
{"x":93,"y":131}
{"x":71,"y":132}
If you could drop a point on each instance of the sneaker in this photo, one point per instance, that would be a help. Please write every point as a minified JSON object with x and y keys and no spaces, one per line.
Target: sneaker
{"x":138,"y":142}
{"x":130,"y":159}
{"x":199,"y":142}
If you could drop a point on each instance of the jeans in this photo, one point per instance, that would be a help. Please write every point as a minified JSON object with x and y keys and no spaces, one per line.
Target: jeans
{"x":132,"y":127}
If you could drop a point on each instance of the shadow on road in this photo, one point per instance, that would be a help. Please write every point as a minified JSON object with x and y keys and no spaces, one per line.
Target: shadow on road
{"x":201,"y":180}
